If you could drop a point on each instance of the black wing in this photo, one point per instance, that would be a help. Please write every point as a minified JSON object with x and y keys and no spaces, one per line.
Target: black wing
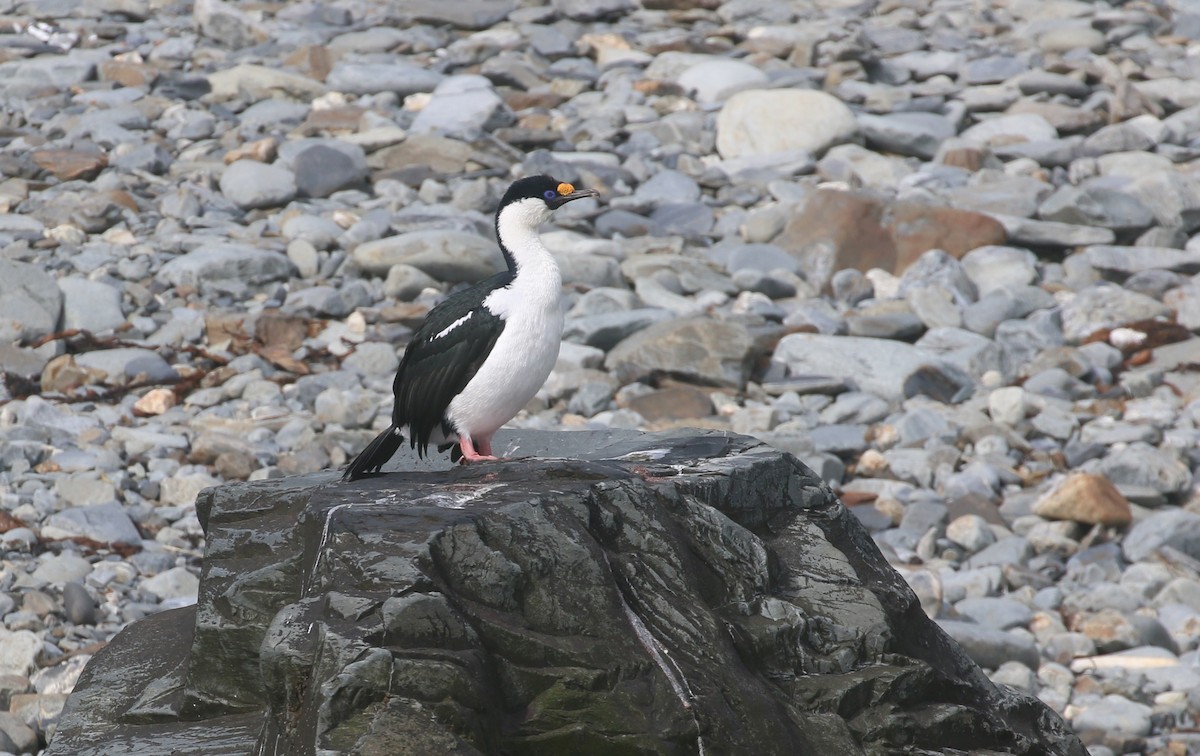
{"x":445,"y":353}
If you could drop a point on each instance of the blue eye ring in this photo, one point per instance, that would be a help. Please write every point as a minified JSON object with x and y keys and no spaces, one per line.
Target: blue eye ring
{"x":550,"y":194}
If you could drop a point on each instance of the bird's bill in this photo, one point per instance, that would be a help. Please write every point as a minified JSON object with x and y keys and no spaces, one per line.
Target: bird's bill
{"x":568,"y":193}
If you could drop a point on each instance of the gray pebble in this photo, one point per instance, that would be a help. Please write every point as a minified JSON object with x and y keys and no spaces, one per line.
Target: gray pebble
{"x":991,"y":647}
{"x":78,"y":604}
{"x":250,"y":184}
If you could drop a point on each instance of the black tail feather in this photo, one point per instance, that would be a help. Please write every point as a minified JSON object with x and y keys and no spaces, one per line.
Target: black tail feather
{"x":455,"y":450}
{"x":377,"y":453}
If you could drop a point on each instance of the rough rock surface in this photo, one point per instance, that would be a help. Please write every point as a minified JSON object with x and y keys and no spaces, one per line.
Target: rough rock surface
{"x":645,"y":593}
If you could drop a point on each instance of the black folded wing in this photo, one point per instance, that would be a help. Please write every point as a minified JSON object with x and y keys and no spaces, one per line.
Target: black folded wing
{"x":445,"y":354}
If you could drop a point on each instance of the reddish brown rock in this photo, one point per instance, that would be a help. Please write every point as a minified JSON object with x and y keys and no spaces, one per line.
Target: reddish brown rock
{"x":968,"y":157}
{"x":69,"y":165}
{"x":839,"y":229}
{"x":916,"y":228}
{"x":61,"y":374}
{"x":1087,"y":498}
{"x":851,"y":223}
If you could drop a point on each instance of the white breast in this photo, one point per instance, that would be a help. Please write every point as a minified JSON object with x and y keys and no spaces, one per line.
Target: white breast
{"x":523,"y":356}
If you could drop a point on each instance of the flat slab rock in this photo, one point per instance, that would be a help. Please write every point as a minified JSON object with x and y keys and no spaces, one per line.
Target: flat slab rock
{"x":605,"y":592}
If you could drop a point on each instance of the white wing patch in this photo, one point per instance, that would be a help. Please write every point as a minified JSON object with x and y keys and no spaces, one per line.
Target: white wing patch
{"x":452,"y":326}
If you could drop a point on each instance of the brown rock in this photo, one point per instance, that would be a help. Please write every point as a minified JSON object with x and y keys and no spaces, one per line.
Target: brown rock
{"x":154,"y":402}
{"x":121,"y":198}
{"x":275,"y":329}
{"x":438,"y":154}
{"x":838,"y":230}
{"x":8,"y":522}
{"x":262,"y":150}
{"x":674,"y":403}
{"x":519,"y":101}
{"x":314,"y":61}
{"x":1087,"y":498}
{"x":127,"y":73}
{"x":968,"y":157}
{"x":918,"y":228}
{"x":69,"y":165}
{"x":62,"y":375}
{"x":344,"y":119}
{"x":235,"y":466}
{"x":226,"y":331}
{"x":213,"y":443}
{"x":1110,"y":630}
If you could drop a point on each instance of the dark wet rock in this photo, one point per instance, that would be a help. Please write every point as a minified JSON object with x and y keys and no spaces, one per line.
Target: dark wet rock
{"x":664,"y":593}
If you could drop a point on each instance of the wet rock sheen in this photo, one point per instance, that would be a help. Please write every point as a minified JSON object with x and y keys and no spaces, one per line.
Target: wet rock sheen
{"x":647,"y":593}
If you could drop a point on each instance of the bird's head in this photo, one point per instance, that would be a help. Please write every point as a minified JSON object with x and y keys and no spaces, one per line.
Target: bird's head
{"x":530,"y":201}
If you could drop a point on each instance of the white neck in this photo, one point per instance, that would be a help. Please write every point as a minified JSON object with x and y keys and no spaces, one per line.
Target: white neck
{"x":538,"y":283}
{"x":517,"y":229}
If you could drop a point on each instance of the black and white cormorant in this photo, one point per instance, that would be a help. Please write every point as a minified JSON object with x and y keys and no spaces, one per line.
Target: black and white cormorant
{"x":483,"y":352}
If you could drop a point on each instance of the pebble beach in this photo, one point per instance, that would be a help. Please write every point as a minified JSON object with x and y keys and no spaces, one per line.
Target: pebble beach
{"x":945,"y":252}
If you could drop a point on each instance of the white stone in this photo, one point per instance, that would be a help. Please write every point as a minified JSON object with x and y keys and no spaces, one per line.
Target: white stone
{"x":1021,"y":127}
{"x":175,"y":583}
{"x":1007,"y":405}
{"x":1114,"y":714}
{"x":304,"y":256}
{"x":767,"y":121}
{"x":181,"y":490}
{"x":716,"y":80}
{"x":18,"y":651}
{"x":972,"y":532}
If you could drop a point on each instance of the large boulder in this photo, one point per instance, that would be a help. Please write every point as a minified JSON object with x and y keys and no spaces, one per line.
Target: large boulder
{"x":841,"y":229}
{"x":637,"y":593}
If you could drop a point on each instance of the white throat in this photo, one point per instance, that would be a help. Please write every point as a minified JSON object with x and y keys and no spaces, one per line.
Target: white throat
{"x":517,"y":228}
{"x":537,"y":287}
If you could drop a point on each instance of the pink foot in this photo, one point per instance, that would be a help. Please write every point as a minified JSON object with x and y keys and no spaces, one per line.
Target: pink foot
{"x":470,"y":455}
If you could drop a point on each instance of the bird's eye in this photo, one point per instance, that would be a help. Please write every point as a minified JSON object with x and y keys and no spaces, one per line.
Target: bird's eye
{"x":550,"y":194}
